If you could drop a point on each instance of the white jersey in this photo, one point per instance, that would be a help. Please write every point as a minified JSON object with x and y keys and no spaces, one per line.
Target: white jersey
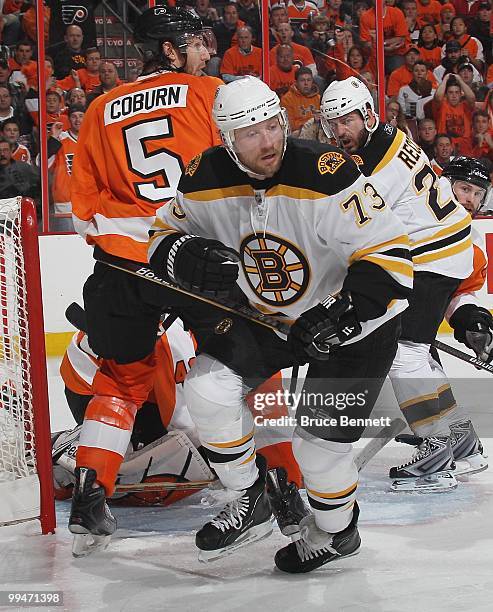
{"x":439,"y":228}
{"x":315,"y":228}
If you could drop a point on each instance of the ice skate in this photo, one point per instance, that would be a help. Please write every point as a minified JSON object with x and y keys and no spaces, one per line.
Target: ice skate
{"x":90,"y":521}
{"x":468,"y":451}
{"x":430,"y":469}
{"x":285,"y":499}
{"x":316,"y":547}
{"x":244,"y":520}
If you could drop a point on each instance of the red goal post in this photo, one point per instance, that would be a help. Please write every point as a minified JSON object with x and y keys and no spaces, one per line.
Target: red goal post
{"x":26,"y":483}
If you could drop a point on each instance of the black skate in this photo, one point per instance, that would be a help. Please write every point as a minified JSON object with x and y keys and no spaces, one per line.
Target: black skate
{"x":468,"y":451}
{"x":285,"y":499}
{"x":244,"y":520}
{"x":430,"y":470}
{"x":317,"y":547}
{"x":90,"y":521}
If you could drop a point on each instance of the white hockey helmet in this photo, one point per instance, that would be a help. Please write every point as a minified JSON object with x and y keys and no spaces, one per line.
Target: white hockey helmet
{"x":245,"y":102}
{"x":343,"y":97}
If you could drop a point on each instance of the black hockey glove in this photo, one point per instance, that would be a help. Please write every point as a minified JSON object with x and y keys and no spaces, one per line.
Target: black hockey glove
{"x":473,"y":326}
{"x":197,"y":264}
{"x":327,"y":324}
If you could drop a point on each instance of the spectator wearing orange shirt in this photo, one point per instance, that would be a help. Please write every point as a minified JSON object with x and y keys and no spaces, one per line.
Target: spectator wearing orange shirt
{"x":300,"y":11}
{"x":447,"y":13}
{"x":24,"y":69}
{"x":85,"y":78}
{"x":452,"y":114}
{"x":414,"y":22}
{"x":283,"y":71}
{"x":356,"y":66}
{"x":302,"y":55}
{"x":396,"y":35}
{"x":471,"y":47}
{"x":443,"y":153}
{"x":404,"y":75}
{"x":242,"y":59}
{"x":430,"y":49}
{"x":489,"y":75}
{"x":429,"y":11}
{"x":302,"y":100}
{"x":482,"y":135}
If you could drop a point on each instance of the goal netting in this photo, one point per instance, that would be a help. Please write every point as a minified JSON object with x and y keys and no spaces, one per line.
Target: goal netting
{"x":25,"y":460}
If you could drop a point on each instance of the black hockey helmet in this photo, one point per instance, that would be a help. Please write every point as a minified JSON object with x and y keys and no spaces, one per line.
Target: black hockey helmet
{"x":469,"y":170}
{"x":165,"y":23}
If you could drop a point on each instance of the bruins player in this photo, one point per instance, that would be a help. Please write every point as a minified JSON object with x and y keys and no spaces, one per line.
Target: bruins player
{"x":285,"y":206}
{"x":133,"y":145}
{"x":440,"y":233}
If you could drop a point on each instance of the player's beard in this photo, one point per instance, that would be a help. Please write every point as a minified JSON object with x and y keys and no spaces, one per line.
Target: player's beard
{"x":353,"y":144}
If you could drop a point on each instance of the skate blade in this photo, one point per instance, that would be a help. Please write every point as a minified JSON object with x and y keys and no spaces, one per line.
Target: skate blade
{"x":470,"y":465}
{"x":85,"y":544}
{"x":433,"y":483}
{"x":254,"y":534}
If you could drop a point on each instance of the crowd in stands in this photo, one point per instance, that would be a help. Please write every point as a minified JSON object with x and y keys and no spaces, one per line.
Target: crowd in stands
{"x":438,"y":65}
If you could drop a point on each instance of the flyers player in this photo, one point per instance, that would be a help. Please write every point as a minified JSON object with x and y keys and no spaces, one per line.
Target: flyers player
{"x":134,"y":143}
{"x":440,"y":233}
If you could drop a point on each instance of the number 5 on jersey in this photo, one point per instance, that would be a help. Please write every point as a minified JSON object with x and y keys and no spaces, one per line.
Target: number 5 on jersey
{"x":157,"y":165}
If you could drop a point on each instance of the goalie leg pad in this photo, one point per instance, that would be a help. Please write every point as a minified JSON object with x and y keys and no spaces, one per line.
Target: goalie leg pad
{"x":330,"y":476}
{"x":215,"y":398}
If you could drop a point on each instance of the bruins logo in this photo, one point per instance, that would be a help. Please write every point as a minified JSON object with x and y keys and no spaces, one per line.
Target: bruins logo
{"x":358,"y":160}
{"x":193,"y":164}
{"x":330,"y":162}
{"x":275,"y":269}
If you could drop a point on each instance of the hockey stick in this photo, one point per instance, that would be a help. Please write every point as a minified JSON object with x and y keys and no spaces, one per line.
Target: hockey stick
{"x":366,"y":454}
{"x":132,"y":267}
{"x":384,"y":436}
{"x":475,"y":361}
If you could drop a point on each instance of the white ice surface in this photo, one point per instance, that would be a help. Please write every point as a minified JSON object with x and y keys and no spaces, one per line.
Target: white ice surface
{"x":421,"y":553}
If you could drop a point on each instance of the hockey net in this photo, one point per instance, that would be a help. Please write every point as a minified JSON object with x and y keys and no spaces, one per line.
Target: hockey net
{"x":26,"y":489}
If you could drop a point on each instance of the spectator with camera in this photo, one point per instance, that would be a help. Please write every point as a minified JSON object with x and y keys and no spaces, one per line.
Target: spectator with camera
{"x":454,"y":57}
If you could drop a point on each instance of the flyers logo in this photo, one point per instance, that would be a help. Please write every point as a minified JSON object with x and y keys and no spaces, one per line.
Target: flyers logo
{"x":330,"y":162}
{"x":193,"y":164}
{"x":275,"y":269}
{"x":69,"y":160}
{"x":358,"y":160}
{"x":73,"y":13}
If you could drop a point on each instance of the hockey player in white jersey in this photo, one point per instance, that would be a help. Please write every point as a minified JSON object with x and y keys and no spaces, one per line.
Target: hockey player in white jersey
{"x":440,"y":233}
{"x":316,"y":244}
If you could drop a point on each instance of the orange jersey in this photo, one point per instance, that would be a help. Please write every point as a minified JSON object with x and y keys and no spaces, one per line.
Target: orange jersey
{"x":432,"y":57}
{"x":87,"y":80}
{"x":61,"y":167}
{"x":300,"y":108}
{"x":394,"y":25}
{"x":403,"y":76}
{"x":175,"y":354}
{"x":466,"y":292}
{"x":134,"y":144}
{"x":456,"y":121}
{"x":281,"y":81}
{"x":429,"y":13}
{"x":301,"y":55}
{"x":21,"y":154}
{"x":237,"y":63}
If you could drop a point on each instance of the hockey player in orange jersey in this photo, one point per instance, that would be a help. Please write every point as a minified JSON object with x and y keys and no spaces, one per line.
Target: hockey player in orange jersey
{"x":152,"y":454}
{"x":132,"y":148}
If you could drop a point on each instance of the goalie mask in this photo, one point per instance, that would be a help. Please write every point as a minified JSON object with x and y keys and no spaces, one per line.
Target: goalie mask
{"x":243,"y":103}
{"x":174,"y":25}
{"x":465,"y":174}
{"x":343,"y":97}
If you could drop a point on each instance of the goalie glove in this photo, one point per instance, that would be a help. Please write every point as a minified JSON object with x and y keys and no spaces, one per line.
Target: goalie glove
{"x":197,"y":264}
{"x":324,"y":326}
{"x":473,"y":326}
